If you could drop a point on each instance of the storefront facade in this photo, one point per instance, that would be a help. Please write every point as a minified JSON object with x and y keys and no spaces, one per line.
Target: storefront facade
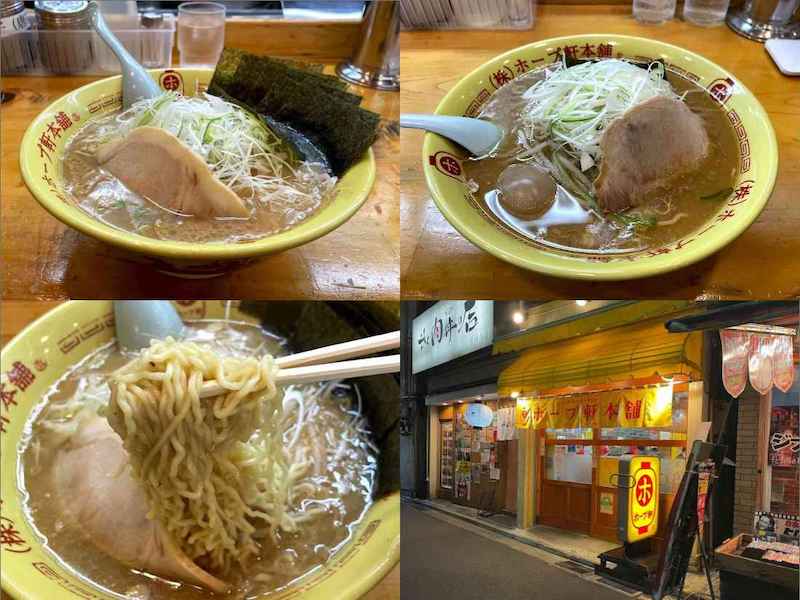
{"x":442,"y":440}
{"x":475,"y":467}
{"x":571,"y":397}
{"x":583,"y":402}
{"x":767,"y":488}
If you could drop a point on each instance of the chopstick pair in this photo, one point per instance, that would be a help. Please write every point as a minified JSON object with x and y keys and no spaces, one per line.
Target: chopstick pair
{"x":305,"y":367}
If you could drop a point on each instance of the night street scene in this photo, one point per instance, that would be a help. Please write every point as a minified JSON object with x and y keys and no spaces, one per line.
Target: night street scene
{"x":600,"y":449}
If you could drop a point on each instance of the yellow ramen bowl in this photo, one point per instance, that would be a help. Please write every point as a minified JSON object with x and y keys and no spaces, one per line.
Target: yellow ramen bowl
{"x":40,"y":162}
{"x":757,"y":162}
{"x":40,"y":355}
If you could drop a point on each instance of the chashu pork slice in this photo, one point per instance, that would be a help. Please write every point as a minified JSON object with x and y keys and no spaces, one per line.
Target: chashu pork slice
{"x":158,"y":166}
{"x":96,"y":490}
{"x":646,"y":147}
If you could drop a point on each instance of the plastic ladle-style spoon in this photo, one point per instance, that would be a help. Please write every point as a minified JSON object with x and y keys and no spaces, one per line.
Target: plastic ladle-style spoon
{"x":479,"y":137}
{"x":136,"y":81}
{"x":139,"y":321}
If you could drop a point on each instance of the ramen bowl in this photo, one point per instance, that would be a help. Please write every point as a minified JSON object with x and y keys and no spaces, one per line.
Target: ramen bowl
{"x":42,"y":151}
{"x":757,"y":163}
{"x":33,"y":361}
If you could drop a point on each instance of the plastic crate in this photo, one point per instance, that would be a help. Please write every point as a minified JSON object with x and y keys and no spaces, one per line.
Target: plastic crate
{"x":82,"y":52}
{"x":467,"y":14}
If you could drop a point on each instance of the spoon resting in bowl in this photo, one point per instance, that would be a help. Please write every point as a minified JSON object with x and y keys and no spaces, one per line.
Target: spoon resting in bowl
{"x":553,"y":206}
{"x":477,"y":136}
{"x":136,"y":81}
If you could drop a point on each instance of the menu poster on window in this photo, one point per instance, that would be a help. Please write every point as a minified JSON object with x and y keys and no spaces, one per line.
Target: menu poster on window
{"x":784,"y":436}
{"x":776,"y":526}
{"x":476,"y":441}
{"x":447,"y":455}
{"x":494,"y":473}
{"x":607,"y":503}
{"x":475,"y":475}
{"x":502,"y":422}
{"x":485,"y":457}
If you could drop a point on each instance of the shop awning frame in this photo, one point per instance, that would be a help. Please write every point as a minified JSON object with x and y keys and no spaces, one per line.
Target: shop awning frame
{"x":627,"y":353}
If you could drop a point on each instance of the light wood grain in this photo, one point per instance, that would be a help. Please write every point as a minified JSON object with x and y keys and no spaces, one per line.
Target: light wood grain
{"x":327,"y":41}
{"x":436,"y":261}
{"x":43,"y":258}
{"x":15,"y":316}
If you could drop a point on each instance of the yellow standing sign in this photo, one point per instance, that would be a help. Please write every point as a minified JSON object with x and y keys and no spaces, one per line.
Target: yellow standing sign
{"x":638,"y":497}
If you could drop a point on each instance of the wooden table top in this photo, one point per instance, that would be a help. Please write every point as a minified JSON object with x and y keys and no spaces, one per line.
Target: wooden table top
{"x":42,"y":258}
{"x":16,"y":315}
{"x":437,"y":261}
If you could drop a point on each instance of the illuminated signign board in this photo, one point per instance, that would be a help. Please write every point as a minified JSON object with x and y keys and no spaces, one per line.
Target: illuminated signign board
{"x":638,"y":494}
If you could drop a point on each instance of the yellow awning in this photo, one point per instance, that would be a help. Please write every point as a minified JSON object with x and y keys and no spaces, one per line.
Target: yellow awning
{"x":635,"y":351}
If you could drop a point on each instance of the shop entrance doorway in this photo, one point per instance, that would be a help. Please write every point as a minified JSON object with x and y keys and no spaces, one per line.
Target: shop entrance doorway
{"x":575,"y":484}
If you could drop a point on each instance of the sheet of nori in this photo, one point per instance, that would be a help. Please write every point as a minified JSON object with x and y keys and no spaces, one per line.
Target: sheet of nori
{"x":238,"y":70}
{"x":229,"y":60}
{"x":308,"y":102}
{"x":254,"y":74}
{"x":343,"y":130}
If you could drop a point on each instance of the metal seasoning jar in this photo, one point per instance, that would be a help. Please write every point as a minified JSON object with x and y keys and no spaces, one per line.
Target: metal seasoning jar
{"x":65,"y":36}
{"x":18,"y":50}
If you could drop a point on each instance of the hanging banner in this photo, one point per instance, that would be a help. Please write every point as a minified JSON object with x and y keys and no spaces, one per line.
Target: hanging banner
{"x":571,"y":412}
{"x":658,"y":407}
{"x":784,"y":436}
{"x":735,"y":350}
{"x":783,"y":363}
{"x":609,"y":409}
{"x":540,"y":413}
{"x":555,"y":413}
{"x":646,"y":407}
{"x":632,"y":407}
{"x":760,"y":362}
{"x":522,"y":413}
{"x":590,"y":411}
{"x":768,"y":359}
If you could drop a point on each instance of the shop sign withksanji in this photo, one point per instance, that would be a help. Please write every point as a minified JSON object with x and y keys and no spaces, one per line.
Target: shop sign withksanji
{"x":647,"y":407}
{"x":450,"y":329}
{"x":638,"y":497}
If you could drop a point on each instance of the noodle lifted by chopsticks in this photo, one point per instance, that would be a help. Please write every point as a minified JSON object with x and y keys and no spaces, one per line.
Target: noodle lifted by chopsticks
{"x":214,"y":470}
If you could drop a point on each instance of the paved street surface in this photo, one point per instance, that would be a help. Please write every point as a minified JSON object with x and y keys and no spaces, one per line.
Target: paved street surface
{"x":444,"y":558}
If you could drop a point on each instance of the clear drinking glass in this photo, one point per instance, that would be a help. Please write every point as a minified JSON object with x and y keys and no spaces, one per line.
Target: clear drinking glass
{"x":201,"y":33}
{"x":653,"y":11}
{"x":705,"y":12}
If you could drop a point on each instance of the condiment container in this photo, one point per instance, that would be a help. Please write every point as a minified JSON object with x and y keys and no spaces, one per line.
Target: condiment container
{"x":18,"y":49}
{"x":70,"y":51}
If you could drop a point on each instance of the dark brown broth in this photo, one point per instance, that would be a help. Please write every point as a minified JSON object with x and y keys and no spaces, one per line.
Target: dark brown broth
{"x":296,"y":555}
{"x":684,"y":195}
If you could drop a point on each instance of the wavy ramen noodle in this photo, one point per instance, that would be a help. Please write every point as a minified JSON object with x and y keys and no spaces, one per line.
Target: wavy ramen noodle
{"x":257,"y":486}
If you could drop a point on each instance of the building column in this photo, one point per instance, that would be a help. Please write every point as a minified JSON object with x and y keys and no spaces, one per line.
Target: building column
{"x":526,"y":478}
{"x":413,"y":417}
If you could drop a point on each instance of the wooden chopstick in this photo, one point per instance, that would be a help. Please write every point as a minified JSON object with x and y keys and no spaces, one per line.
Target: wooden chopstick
{"x":337,"y":352}
{"x":361,"y":367}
